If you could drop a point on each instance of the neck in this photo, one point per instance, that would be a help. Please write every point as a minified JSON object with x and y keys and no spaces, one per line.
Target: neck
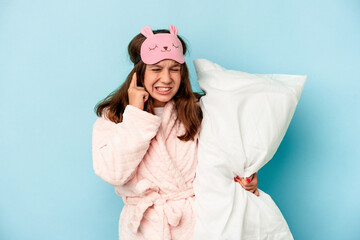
{"x":159,"y":104}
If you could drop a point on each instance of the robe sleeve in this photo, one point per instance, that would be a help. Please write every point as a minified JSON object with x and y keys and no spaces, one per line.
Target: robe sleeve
{"x":118,"y":148}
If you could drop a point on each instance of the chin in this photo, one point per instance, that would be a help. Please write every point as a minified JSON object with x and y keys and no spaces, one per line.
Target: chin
{"x":162,"y":100}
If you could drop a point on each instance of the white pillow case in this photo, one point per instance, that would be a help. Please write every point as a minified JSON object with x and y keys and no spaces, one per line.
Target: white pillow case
{"x":245,"y":119}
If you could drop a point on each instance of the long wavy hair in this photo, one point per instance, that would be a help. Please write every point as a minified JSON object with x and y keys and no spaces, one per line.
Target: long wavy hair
{"x":187,"y":110}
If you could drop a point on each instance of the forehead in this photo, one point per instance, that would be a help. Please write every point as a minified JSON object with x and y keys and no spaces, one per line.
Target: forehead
{"x":165,"y":63}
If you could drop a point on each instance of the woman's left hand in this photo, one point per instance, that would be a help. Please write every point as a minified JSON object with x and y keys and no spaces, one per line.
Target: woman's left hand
{"x":250,"y":184}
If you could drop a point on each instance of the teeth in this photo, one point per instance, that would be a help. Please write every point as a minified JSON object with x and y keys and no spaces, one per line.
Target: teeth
{"x":163,"y":89}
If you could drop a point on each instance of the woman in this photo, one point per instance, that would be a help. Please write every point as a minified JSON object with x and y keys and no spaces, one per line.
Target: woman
{"x":145,"y":140}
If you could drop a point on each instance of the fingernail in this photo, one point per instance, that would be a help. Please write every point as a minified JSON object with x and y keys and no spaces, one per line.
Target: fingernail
{"x":248,"y":180}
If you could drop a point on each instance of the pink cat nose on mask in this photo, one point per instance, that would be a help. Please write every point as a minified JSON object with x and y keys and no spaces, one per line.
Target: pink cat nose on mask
{"x":161,"y":46}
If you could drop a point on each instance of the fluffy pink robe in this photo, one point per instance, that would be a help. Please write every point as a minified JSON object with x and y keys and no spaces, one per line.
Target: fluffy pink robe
{"x":151,"y":169}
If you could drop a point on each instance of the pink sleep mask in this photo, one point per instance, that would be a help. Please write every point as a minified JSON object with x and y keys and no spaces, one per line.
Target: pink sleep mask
{"x":161,"y":46}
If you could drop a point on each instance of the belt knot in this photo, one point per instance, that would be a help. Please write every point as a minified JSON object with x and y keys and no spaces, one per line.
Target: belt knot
{"x":173,"y":214}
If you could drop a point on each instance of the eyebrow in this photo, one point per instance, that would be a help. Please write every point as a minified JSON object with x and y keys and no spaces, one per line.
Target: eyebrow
{"x":156,"y":65}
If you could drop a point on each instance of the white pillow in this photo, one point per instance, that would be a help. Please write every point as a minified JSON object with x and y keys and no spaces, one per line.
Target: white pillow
{"x":245,"y":119}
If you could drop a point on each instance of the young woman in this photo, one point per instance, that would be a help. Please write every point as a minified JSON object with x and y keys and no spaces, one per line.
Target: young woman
{"x":145,"y":140}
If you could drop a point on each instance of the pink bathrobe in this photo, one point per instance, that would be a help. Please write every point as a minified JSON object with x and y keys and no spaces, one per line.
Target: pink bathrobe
{"x":152,"y":170}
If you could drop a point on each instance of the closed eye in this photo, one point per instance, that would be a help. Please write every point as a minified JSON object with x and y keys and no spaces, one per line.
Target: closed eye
{"x":175,"y":46}
{"x":153,"y":48}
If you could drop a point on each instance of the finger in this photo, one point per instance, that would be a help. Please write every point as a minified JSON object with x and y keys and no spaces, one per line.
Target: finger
{"x":251,"y":177}
{"x":250,"y":189}
{"x":252,"y":180}
{"x":238,"y":181}
{"x":257,"y":192}
{"x":133,"y":80}
{"x":242,"y":181}
{"x":254,"y":177}
{"x":246,"y":182}
{"x":247,"y":188}
{"x":255,"y":180}
{"x":146,"y":96}
{"x":142,"y":89}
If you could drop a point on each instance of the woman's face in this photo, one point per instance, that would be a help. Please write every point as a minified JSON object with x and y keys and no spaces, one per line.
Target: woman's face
{"x":162,"y":81}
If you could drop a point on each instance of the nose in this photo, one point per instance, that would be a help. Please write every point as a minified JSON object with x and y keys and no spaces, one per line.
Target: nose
{"x":165,"y":76}
{"x":165,"y":47}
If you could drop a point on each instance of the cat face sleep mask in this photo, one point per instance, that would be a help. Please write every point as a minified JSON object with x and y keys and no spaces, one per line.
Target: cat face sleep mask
{"x":161,"y":46}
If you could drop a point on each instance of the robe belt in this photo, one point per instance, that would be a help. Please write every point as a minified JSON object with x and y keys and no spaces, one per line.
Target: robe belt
{"x":173,"y":214}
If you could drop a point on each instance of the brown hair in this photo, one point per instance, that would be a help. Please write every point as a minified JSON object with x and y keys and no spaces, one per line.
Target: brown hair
{"x":187,"y":110}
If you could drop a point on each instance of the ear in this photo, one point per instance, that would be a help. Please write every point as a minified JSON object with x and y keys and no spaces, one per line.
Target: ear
{"x":147,"y":32}
{"x":173,"y":29}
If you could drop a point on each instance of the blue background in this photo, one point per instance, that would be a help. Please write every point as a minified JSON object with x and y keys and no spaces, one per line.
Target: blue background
{"x":59,"y":58}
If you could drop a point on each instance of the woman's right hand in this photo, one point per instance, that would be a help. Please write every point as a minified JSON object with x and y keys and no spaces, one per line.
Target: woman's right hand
{"x":137,"y":95}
